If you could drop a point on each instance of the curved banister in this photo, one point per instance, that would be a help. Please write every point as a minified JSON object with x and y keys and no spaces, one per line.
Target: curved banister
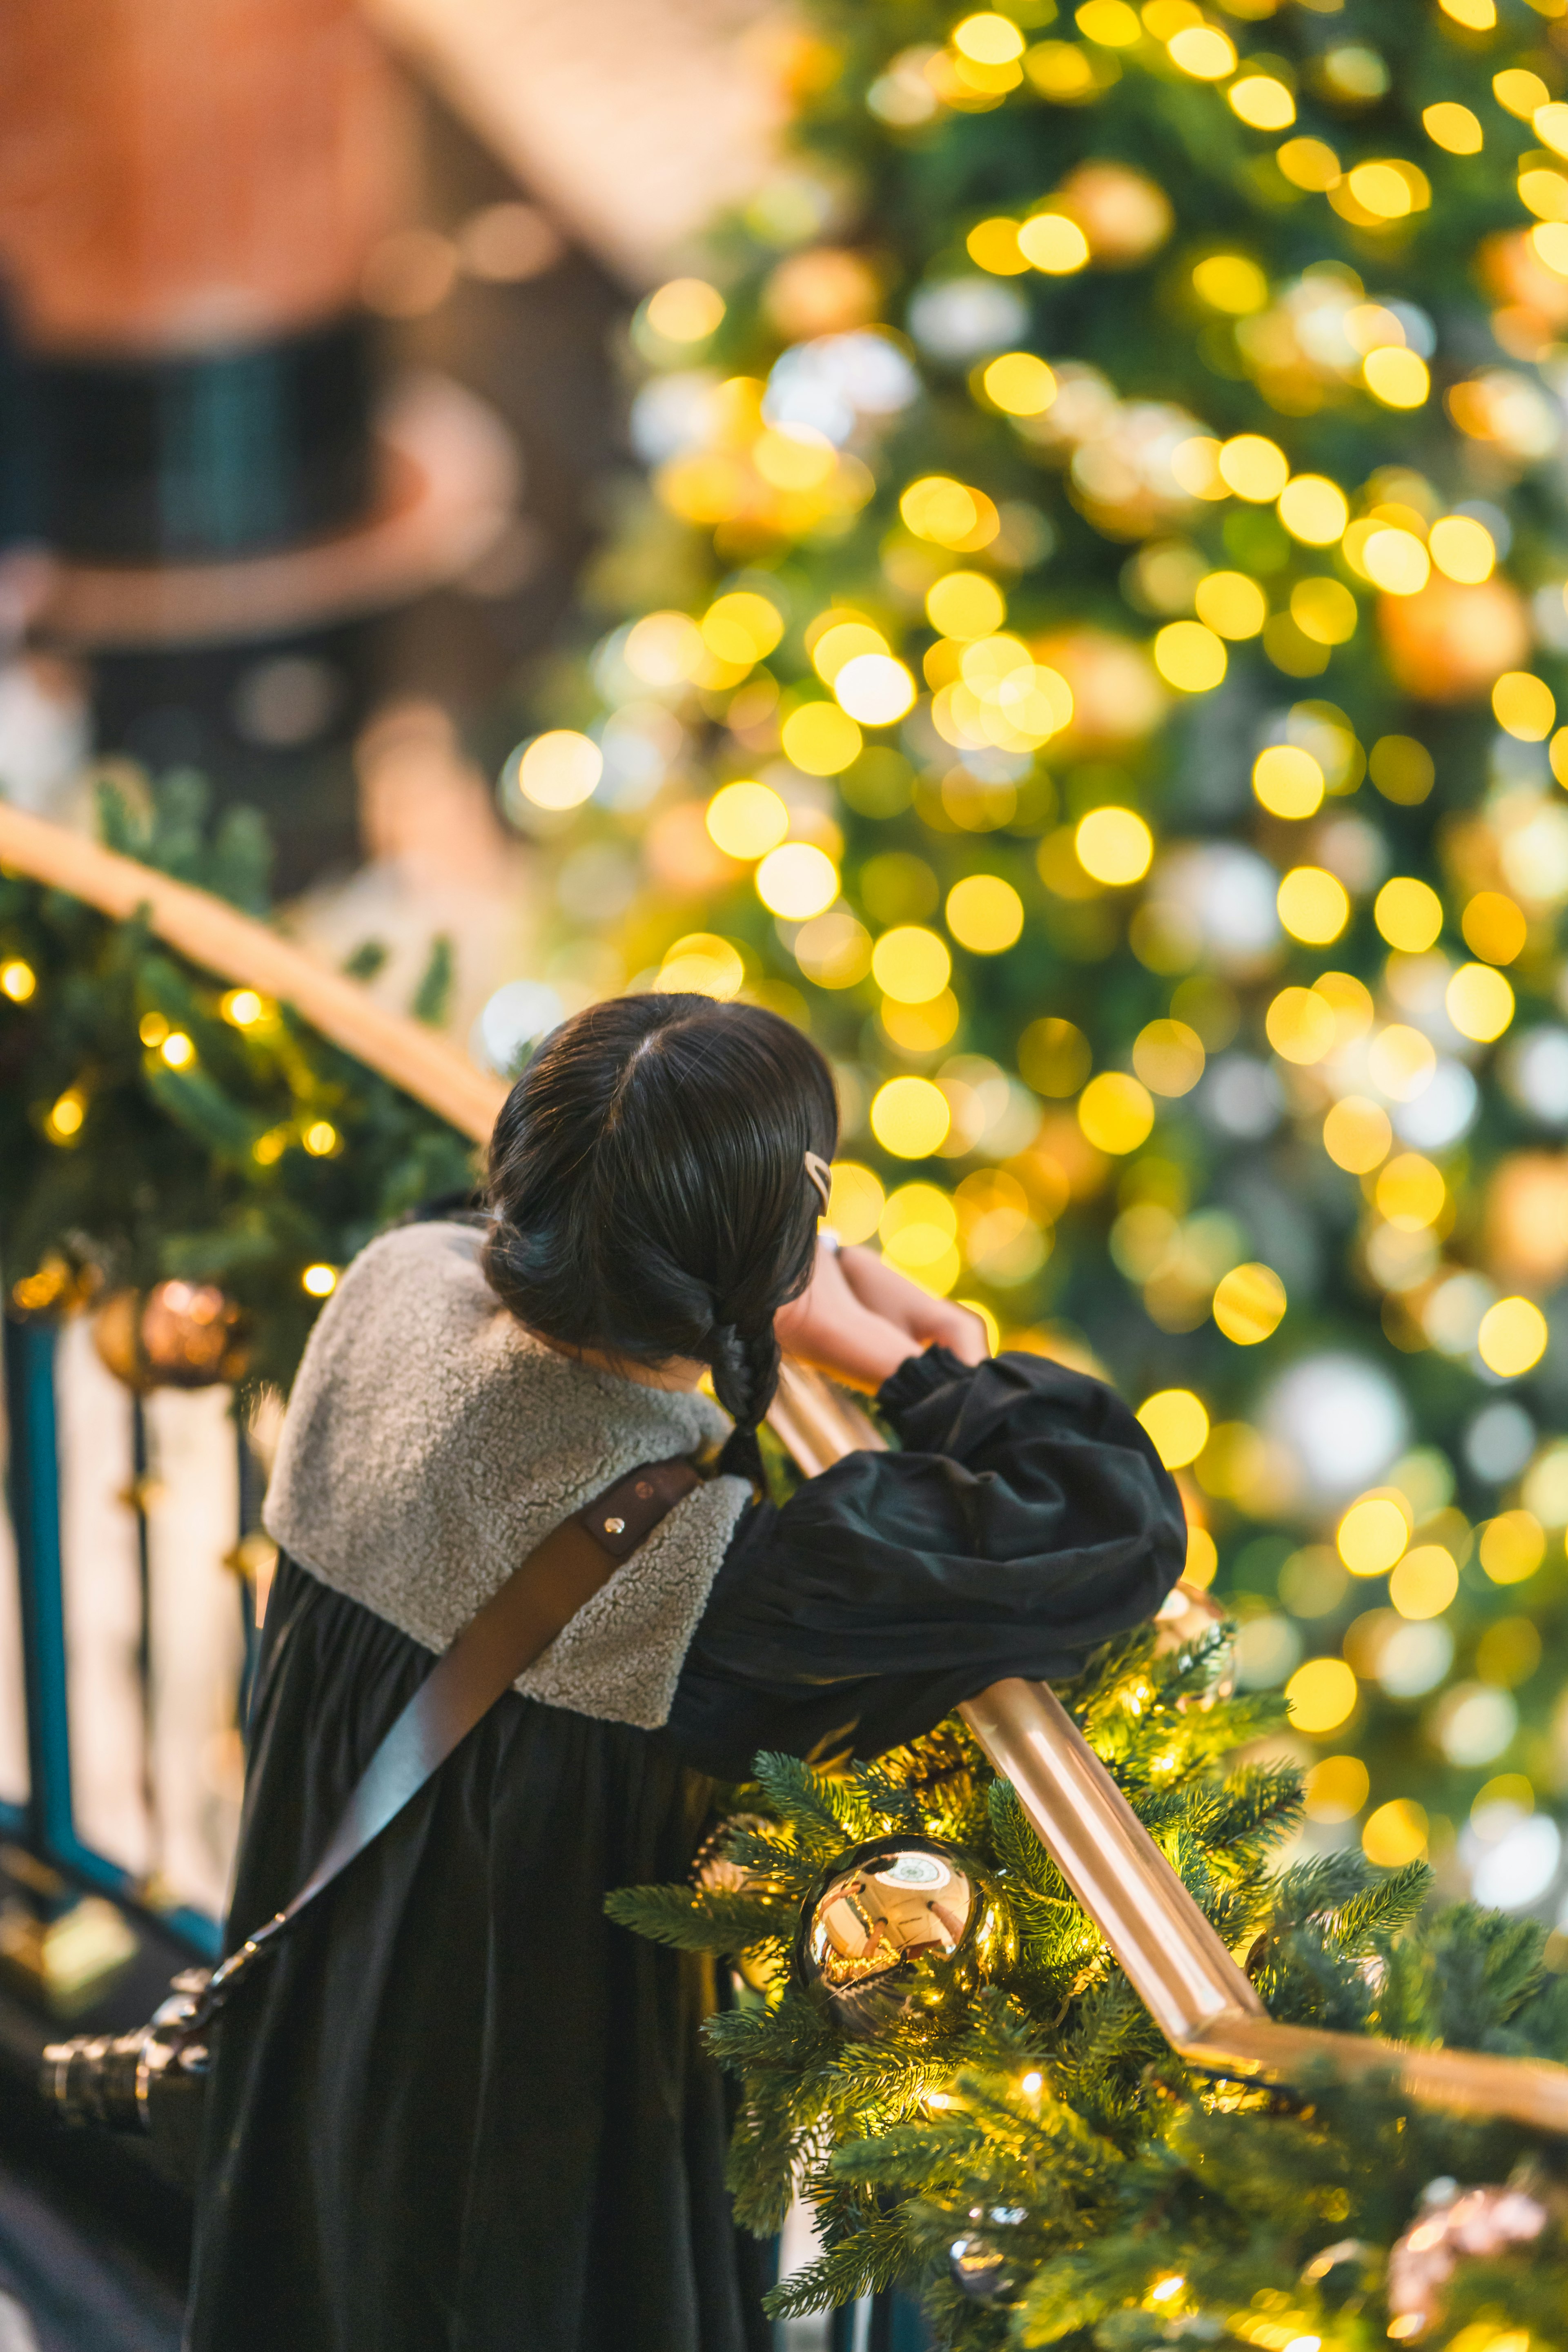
{"x":1198,"y":1996}
{"x":245,"y":954}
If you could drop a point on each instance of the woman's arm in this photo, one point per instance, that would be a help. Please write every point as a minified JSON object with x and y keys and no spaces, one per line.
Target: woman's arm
{"x":1027,"y":1519}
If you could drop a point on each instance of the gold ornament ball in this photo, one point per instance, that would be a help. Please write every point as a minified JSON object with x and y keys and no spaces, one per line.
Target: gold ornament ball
{"x":179,"y":1335}
{"x":899,"y":1935}
{"x":1451,"y":642}
{"x":1125,"y":215}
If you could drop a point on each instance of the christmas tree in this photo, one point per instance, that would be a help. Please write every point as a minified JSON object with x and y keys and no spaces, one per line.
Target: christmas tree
{"x":943,"y":2057}
{"x":1090,"y":646}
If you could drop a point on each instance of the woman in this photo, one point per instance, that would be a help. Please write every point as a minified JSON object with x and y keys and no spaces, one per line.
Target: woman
{"x":460,"y":2112}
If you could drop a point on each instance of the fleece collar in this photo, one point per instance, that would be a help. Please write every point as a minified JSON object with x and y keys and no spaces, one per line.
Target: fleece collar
{"x":431,"y":1442}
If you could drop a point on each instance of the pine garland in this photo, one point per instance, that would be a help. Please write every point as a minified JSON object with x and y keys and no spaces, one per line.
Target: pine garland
{"x":247,"y":1155}
{"x":1133,"y":2202}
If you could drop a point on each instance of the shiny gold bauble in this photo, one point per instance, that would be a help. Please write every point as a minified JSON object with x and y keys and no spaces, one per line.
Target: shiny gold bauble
{"x":179,"y":1335}
{"x":901,"y":1934}
{"x":1451,"y":642}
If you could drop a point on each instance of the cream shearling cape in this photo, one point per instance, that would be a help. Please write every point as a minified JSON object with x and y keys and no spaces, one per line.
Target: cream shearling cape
{"x":430,"y":1443}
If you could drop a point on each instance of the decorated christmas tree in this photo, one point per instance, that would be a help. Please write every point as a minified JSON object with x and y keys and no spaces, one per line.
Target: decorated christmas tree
{"x":943,"y":2057}
{"x":1090,"y":645}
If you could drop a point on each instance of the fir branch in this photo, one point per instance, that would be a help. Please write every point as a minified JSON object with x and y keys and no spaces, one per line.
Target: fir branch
{"x":695,"y":1919}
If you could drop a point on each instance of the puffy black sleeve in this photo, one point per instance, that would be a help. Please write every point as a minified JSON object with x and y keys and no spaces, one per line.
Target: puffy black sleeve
{"x":1027,"y":1519}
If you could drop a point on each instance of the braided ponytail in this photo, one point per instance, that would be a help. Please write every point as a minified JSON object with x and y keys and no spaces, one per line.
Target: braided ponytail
{"x":745,"y":1372}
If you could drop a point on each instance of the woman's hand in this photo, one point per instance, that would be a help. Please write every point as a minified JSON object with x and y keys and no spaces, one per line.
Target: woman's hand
{"x":830,"y":1327}
{"x":930,"y":1322}
{"x":859,"y":1320}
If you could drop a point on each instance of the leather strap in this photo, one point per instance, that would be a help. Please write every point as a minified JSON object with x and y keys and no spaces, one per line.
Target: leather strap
{"x":518,"y":1623}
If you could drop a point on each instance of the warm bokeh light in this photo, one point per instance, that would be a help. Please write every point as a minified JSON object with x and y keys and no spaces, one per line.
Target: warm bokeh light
{"x":1169,"y":1057}
{"x":320,"y":1281}
{"x":746,"y":820}
{"x":1512,"y":1337}
{"x":1288,"y":782}
{"x":1254,"y":467}
{"x":1396,"y":1835}
{"x":1336,"y":1789}
{"x":875,"y":690}
{"x":1453,"y":128}
{"x":559,"y":770}
{"x":18,"y":980}
{"x":1357,"y":1134}
{"x":1395,"y":561}
{"x":241,"y":1007}
{"x":1397,"y":377}
{"x":1177,"y":1426}
{"x":1115,"y":1112}
{"x":1052,"y":242}
{"x":1202,"y":51}
{"x":966,"y":605}
{"x":1321,"y":1695}
{"x":1313,"y":905}
{"x":834,"y":949}
{"x":855,"y":1201}
{"x":797,"y":880}
{"x":1462,"y":549}
{"x":1249,"y":1304}
{"x":1426,"y":1580}
{"x":1402,"y":769}
{"x":686,"y":311}
{"x":1232,"y":605}
{"x":1019,"y":384}
{"x":1479,"y":1002}
{"x":1494,"y":927}
{"x":1408,"y":913}
{"x":1373,"y":1535}
{"x":743,"y":627}
{"x":1262,"y":103}
{"x":1400,"y":1061}
{"x":67,"y":1116}
{"x":989,"y":40}
{"x":1511,"y":1547}
{"x":177,"y":1050}
{"x":985,"y":914}
{"x":949,"y":514}
{"x":1190,"y":658}
{"x":702,"y":964}
{"x":1314,"y":509}
{"x":910,"y":965}
{"x":1300,"y":1024}
{"x":820,"y":739}
{"x":1054,"y":1057}
{"x":911,"y":1117}
{"x":1524,"y":705}
{"x":1310,"y":163}
{"x":1410,"y":1192}
{"x":1231,"y":282}
{"x":1114,"y":846}
{"x":992,"y":245}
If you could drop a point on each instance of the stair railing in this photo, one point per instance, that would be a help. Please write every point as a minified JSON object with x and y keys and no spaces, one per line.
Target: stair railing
{"x":1179,"y":1968}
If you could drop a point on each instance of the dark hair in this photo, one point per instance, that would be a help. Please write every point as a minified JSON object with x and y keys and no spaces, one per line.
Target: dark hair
{"x":649,"y":1189}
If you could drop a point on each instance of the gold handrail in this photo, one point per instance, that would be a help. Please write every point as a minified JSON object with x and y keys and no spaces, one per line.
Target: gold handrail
{"x":239,"y":950}
{"x":1194,"y":1990}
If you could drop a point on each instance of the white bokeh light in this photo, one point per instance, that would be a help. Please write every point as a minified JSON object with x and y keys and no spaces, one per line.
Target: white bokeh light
{"x":1342,"y":1419}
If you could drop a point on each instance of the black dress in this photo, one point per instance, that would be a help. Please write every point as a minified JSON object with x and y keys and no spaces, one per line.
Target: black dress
{"x":462,"y":2113}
